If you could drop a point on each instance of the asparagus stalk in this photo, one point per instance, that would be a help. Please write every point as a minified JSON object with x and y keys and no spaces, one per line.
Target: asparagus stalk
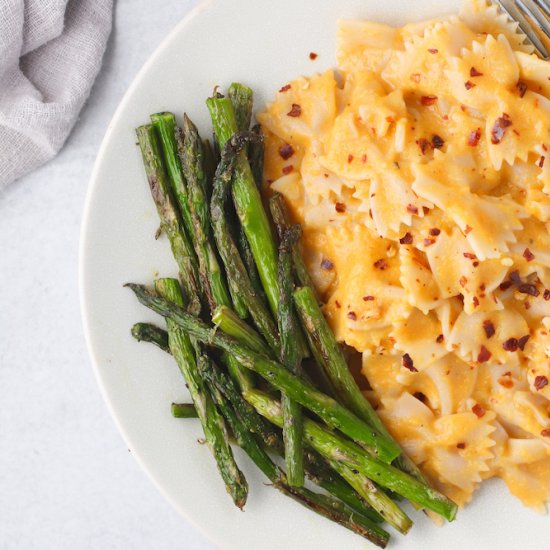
{"x":147,"y":332}
{"x":376,"y":498}
{"x":256,"y":157}
{"x":281,"y":217}
{"x":209,"y":166}
{"x":248,"y":202}
{"x":164,"y":125}
{"x":184,"y":410}
{"x":169,"y":217}
{"x":253,"y":422}
{"x":329,"y":410}
{"x":226,"y":319}
{"x":235,"y":268}
{"x":326,"y":506}
{"x":291,"y":359}
{"x":320,"y":473}
{"x":215,"y":431}
{"x":190,"y":151}
{"x":241,"y":98}
{"x":336,"y":449}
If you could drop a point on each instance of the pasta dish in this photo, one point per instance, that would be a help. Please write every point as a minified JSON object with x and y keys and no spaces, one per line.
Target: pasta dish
{"x":418,"y":173}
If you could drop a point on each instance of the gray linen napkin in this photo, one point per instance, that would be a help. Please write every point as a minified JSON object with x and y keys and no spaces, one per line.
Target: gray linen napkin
{"x":50,"y":54}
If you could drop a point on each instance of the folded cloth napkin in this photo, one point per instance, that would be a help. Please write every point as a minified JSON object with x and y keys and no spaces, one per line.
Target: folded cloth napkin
{"x":50,"y":54}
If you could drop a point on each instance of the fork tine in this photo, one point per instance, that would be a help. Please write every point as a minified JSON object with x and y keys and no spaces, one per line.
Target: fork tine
{"x":531,"y":9}
{"x":543,"y":7}
{"x":512,"y":10}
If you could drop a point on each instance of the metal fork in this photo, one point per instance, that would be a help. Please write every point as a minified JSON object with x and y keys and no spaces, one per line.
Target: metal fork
{"x":533,"y":17}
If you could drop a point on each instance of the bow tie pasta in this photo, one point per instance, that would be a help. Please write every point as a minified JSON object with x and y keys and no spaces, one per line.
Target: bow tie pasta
{"x":420,"y":176}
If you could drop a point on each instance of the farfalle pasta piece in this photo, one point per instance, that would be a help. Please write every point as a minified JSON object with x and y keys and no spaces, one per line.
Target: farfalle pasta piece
{"x":485,"y":17}
{"x":303,"y":110}
{"x":488,"y":222}
{"x":458,"y":271}
{"x":418,"y":335}
{"x":453,"y":449}
{"x":417,"y":279}
{"x":369,"y":297}
{"x":488,"y":336}
{"x":364,"y":45}
{"x":422,"y":64}
{"x":474,"y":74}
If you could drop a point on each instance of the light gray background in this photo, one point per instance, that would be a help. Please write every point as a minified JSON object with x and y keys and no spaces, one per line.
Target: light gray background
{"x":67,"y":480}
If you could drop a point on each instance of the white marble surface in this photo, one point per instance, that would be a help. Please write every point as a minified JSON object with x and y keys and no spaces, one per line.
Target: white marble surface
{"x":66,"y":479}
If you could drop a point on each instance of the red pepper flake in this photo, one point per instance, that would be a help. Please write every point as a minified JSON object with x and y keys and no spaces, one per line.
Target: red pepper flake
{"x":350,"y":158}
{"x":511,"y":344}
{"x":313,"y":56}
{"x":499,"y":128}
{"x":424,"y":145}
{"x":340,"y":207}
{"x":482,"y":287}
{"x":437,"y":141}
{"x":475,"y":264}
{"x":440,"y":339}
{"x":427,"y":100}
{"x":433,"y":50}
{"x":489,"y":328}
{"x":522,"y":341}
{"x":286,"y":151}
{"x":364,"y":158}
{"x":467,"y":229}
{"x":415,"y":77}
{"x":474,"y":137}
{"x":407,"y":238}
{"x":381,"y":264}
{"x":420,"y":396}
{"x":368,"y":298}
{"x":337,"y":304}
{"x":540,"y":382}
{"x":408,"y":363}
{"x":528,"y":255}
{"x":514,"y":276}
{"x":327,"y":264}
{"x":475,"y":301}
{"x":530,"y":289}
{"x":478,"y":410}
{"x":505,"y":285}
{"x":412,"y":209}
{"x":462,"y":281}
{"x":434,"y":231}
{"x":285,"y":88}
{"x":287,"y":169}
{"x":429,"y":242}
{"x":541,"y":161}
{"x":469,"y":255}
{"x":546,"y":294}
{"x":484,"y":355}
{"x":295,"y":111}
{"x":506,"y":382}
{"x":469,"y":85}
{"x":461,"y":445}
{"x":474,"y":72}
{"x":352,"y":315}
{"x":522,"y":88}
{"x":545,"y":432}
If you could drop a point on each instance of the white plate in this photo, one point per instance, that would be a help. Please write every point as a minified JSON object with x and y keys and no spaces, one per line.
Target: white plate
{"x":263,"y":44}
